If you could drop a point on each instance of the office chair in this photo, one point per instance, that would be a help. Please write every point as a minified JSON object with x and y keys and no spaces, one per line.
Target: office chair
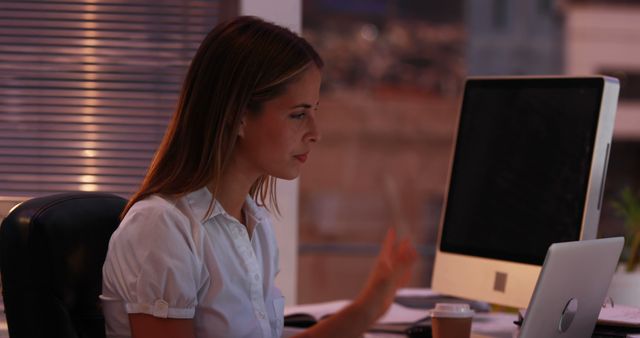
{"x":51,"y":253}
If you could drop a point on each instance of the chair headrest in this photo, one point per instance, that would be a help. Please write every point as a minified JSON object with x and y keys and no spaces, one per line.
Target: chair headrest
{"x":52,"y":250}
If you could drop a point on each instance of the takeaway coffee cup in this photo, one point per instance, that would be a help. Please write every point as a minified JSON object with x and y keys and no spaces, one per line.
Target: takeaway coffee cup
{"x":451,"y":320}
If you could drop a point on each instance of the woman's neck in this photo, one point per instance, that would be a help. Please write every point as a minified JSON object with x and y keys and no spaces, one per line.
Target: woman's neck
{"x":232,"y":190}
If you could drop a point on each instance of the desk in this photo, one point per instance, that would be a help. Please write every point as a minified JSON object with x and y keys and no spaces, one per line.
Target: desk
{"x":495,"y":325}
{"x":484,"y":325}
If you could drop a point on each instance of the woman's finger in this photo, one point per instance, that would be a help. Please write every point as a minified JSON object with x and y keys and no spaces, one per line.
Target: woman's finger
{"x":389,"y":243}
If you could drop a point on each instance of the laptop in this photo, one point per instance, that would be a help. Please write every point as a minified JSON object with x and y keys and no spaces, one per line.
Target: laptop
{"x":571,"y":288}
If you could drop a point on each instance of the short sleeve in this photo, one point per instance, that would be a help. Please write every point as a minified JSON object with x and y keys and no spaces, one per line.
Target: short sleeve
{"x":153,"y":264}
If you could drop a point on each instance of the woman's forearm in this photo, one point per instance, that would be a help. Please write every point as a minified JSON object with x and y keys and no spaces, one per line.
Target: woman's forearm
{"x":391,"y":271}
{"x":349,"y":322}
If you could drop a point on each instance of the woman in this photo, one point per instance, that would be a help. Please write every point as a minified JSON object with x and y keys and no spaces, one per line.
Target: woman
{"x":195,"y":254}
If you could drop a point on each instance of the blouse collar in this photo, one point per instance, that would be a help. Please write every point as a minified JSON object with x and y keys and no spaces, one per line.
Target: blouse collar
{"x":200,"y":203}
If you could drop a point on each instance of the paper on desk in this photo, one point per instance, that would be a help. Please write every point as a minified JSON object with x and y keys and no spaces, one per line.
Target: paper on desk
{"x":416,"y":292}
{"x":620,"y":315}
{"x":396,"y":313}
{"x":317,"y":310}
{"x":494,"y":324}
{"x":402,"y":314}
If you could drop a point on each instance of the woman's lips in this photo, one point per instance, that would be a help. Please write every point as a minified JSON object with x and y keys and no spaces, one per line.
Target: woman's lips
{"x":302,"y":158}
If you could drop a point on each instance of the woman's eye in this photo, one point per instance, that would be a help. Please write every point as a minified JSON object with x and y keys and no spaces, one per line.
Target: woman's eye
{"x":298,"y":116}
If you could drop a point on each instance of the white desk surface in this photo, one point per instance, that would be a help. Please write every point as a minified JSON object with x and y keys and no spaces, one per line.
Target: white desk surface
{"x":484,"y":325}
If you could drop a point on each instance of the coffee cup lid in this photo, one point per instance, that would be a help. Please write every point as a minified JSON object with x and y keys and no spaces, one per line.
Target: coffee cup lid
{"x":452,"y":310}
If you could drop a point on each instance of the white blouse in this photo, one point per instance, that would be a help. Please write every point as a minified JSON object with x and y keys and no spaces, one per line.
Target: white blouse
{"x":169,"y":261}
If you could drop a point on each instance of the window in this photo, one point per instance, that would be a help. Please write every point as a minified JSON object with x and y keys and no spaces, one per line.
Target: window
{"x":87,"y":88}
{"x":629,"y":83}
{"x":499,"y":14}
{"x":545,"y":6}
{"x":388,"y":109}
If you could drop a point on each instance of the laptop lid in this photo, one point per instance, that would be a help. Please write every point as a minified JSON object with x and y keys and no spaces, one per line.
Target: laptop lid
{"x":571,"y":288}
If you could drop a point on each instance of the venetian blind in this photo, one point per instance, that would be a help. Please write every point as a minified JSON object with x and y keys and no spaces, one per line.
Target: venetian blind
{"x":87,"y":88}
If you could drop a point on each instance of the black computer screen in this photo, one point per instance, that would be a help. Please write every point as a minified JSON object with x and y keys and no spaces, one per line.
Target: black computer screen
{"x":521,"y":166}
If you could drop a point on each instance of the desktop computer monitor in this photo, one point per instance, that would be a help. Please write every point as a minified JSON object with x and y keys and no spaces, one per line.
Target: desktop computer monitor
{"x":528,"y":170}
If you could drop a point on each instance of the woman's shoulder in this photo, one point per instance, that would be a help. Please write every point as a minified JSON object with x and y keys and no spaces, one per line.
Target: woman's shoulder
{"x":157,"y":211}
{"x":154,"y":205}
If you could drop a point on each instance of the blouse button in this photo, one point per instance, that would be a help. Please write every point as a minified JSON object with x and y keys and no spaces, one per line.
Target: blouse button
{"x":161,"y":308}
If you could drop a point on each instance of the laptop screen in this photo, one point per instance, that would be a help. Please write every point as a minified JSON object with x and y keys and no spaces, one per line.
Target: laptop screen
{"x":521,"y":166}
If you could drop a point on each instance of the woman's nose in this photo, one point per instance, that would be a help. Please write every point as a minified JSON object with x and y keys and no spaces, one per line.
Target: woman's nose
{"x":314,"y":133}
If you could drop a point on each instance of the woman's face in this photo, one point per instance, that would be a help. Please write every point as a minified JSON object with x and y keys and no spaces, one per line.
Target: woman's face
{"x":277,"y":140}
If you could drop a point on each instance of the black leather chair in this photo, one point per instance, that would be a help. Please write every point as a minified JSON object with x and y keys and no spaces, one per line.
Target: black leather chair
{"x":51,"y":253}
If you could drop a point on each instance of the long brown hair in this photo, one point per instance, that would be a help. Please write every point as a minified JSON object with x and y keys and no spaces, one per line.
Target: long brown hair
{"x":239,"y":65}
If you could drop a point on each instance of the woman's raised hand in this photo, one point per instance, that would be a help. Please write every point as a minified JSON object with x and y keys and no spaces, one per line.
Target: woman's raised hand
{"x":392,"y":270}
